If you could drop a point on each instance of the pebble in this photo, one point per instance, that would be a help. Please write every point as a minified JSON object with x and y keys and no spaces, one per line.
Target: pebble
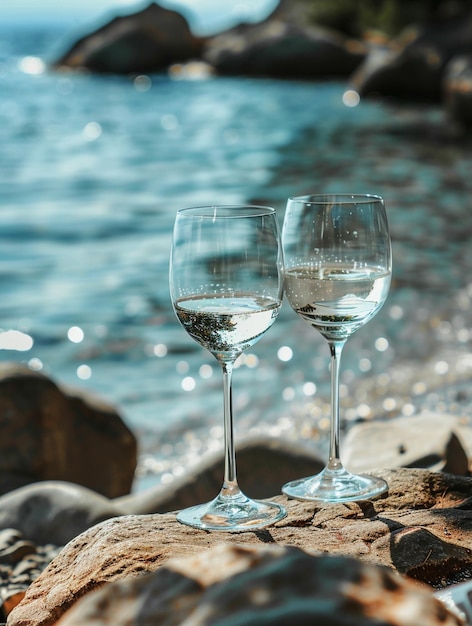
{"x":21,"y":562}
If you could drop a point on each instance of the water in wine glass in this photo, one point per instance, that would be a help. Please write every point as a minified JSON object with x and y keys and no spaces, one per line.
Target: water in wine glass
{"x":337,"y":277}
{"x":336,"y":299}
{"x":226,"y":282}
{"x":226,"y":325}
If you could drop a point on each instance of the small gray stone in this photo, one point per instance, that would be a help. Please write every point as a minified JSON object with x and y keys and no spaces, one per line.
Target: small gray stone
{"x":53,"y":511}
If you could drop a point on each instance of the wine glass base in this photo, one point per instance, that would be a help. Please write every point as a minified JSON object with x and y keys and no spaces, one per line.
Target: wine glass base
{"x":232,"y":514}
{"x":336,"y":486}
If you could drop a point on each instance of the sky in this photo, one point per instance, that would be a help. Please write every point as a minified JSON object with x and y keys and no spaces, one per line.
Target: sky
{"x":203,"y":15}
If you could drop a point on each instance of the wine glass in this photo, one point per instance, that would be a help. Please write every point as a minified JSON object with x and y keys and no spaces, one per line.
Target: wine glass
{"x":226,"y":284}
{"x":337,"y":257}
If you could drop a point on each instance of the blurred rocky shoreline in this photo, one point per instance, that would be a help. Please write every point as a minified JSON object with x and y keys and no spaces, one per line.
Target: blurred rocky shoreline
{"x":429,"y":62}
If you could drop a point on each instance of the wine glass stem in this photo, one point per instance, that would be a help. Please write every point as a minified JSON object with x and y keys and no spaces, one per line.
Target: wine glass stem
{"x":334,"y":463}
{"x":230,"y":485}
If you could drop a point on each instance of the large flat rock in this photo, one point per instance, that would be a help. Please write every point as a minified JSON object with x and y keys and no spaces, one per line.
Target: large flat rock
{"x":422,"y":529}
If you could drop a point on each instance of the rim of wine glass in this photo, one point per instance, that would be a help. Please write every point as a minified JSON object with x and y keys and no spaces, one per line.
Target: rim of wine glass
{"x":338,"y":198}
{"x":227,"y":210}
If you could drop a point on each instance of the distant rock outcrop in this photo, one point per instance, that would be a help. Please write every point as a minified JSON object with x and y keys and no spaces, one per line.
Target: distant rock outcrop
{"x":281,"y":49}
{"x":413,"y":66}
{"x":457,"y":86}
{"x":284,"y":45}
{"x":147,"y":41}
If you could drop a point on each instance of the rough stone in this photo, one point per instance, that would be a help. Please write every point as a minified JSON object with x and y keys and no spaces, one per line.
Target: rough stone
{"x":281,"y":49}
{"x":428,"y":440}
{"x":57,"y":433}
{"x":457,"y":90}
{"x":147,"y":41}
{"x":412,"y":67}
{"x":422,"y":529}
{"x":51,"y":512}
{"x":284,"y":46}
{"x":240,"y":585}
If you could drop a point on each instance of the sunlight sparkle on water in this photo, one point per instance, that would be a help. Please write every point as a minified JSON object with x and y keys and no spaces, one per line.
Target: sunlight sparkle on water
{"x":364,"y":410}
{"x":32,"y":65}
{"x":205,"y":371}
{"x":35,"y":364}
{"x":441,"y":367}
{"x":288,"y":394}
{"x":92,"y":131}
{"x":84,"y":372}
{"x":182,"y":367}
{"x":15,"y":340}
{"x":396,"y":312}
{"x":188,"y":383}
{"x":389,"y":404}
{"x":75,"y":334}
{"x":351,"y":98}
{"x":142,"y":83}
{"x":160,"y":350}
{"x":249,"y":360}
{"x":381,"y":344}
{"x":309,"y":389}
{"x":285,"y":353}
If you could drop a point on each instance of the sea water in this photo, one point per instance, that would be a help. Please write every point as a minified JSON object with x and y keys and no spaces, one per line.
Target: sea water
{"x":92,"y":171}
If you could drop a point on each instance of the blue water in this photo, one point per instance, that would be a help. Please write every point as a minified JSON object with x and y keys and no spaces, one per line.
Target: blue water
{"x":92,"y":170}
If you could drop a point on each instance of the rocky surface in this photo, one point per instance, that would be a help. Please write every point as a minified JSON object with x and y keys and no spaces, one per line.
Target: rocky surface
{"x":457,"y":87}
{"x":428,"y":440}
{"x":422,"y":529}
{"x":154,"y":39}
{"x":54,"y":511}
{"x":54,"y":433}
{"x":281,"y":49}
{"x":413,"y":66}
{"x":232,"y":584}
{"x":147,"y":41}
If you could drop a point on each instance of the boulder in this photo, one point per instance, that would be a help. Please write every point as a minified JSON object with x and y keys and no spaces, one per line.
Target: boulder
{"x":457,"y":90}
{"x":54,"y":512}
{"x":57,"y":433}
{"x":155,"y":39}
{"x":232,"y":584}
{"x":147,"y":41}
{"x":281,"y":49}
{"x":429,"y":440}
{"x":412,"y":67}
{"x":422,"y":529}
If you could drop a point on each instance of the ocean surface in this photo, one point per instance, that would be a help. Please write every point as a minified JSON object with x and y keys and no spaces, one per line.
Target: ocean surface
{"x":92,"y":171}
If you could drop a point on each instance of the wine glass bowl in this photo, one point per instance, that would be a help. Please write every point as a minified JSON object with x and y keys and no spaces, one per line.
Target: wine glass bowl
{"x":337,"y":276}
{"x":226,"y":284}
